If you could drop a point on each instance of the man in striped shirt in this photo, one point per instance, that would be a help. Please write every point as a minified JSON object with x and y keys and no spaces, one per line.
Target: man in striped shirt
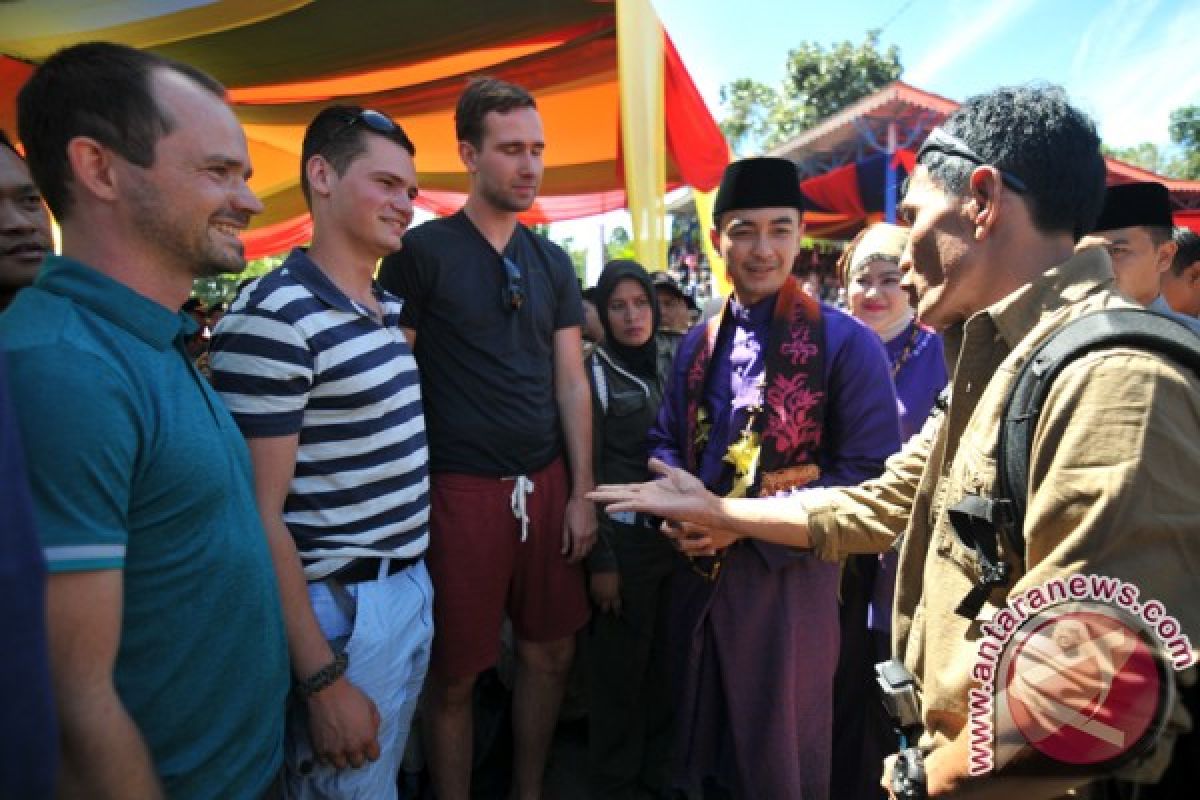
{"x":313,"y":364}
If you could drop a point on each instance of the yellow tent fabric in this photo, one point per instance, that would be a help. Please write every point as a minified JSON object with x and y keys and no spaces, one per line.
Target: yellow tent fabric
{"x":704,"y":212}
{"x":640,"y":70}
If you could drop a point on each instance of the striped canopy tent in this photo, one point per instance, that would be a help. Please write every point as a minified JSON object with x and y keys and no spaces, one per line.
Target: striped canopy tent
{"x":852,"y":165}
{"x":612,"y":105}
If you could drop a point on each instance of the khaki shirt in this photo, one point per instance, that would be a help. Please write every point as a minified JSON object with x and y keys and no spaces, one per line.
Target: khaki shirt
{"x":1113,"y":481}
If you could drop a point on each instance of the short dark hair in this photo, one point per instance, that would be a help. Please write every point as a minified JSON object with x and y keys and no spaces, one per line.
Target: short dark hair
{"x":481,"y":96}
{"x":1159,"y":234}
{"x":1187,"y":250}
{"x":337,"y":135}
{"x":1033,"y":133}
{"x":6,"y":142}
{"x":100,"y":90}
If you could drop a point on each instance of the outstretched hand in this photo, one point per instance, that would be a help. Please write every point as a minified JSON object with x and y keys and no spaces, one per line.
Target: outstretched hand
{"x":676,"y":495}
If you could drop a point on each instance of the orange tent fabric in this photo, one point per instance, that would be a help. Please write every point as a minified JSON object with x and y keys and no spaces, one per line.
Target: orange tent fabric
{"x":283,"y":60}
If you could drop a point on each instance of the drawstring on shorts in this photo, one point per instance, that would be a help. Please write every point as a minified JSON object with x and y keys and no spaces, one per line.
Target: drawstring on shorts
{"x":522,"y":486}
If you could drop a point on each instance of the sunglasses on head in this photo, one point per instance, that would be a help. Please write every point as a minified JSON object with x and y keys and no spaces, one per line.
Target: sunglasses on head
{"x":514,"y":288}
{"x":375,"y":120}
{"x":941,"y":141}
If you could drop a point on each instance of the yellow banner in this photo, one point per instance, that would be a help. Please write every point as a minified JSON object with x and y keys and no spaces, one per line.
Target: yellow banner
{"x":643,"y":130}
{"x":704,"y":213}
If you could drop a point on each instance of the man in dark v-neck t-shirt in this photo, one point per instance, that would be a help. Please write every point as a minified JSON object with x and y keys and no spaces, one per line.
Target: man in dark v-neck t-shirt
{"x":494,"y":315}
{"x":486,"y":369}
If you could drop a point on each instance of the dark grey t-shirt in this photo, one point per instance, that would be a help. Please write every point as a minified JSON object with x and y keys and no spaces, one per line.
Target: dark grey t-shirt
{"x":487,"y":371}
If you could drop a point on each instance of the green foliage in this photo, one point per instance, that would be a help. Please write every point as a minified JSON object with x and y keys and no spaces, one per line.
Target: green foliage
{"x":578,"y":257}
{"x":1180,"y":160}
{"x":1145,"y":155}
{"x":1184,"y":128}
{"x":619,"y":245}
{"x":750,"y":105}
{"x":820,"y":82}
{"x":222,"y":288}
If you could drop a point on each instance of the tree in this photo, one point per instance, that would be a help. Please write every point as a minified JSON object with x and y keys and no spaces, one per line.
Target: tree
{"x":750,"y":104}
{"x":820,"y":82}
{"x":1145,"y":155}
{"x":578,"y":256}
{"x":1184,"y":128}
{"x":223,"y":288}
{"x":1180,"y":160}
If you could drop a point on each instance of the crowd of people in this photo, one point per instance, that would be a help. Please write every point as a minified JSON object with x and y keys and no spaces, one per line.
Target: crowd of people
{"x":721,"y":523}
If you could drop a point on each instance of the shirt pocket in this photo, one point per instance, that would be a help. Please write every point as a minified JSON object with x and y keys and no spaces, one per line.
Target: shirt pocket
{"x":973,"y":473}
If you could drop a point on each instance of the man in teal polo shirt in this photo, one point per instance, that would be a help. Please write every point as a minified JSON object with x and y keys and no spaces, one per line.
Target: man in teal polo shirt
{"x":166,"y":640}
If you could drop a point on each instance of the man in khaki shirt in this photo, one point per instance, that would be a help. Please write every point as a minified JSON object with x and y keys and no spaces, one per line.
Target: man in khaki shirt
{"x":999,"y":197}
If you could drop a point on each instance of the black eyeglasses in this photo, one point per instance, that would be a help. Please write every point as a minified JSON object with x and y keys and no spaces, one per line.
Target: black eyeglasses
{"x":375,"y":120}
{"x":514,"y":289}
{"x":940,"y":141}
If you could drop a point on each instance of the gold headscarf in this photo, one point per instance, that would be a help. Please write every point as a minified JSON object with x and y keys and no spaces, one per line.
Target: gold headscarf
{"x":879,"y":241}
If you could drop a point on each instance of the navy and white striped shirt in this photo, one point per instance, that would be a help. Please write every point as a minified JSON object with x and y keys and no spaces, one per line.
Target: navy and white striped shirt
{"x":296,"y":355}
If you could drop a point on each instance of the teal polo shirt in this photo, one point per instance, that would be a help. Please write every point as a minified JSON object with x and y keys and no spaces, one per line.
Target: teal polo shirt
{"x":135,"y":464}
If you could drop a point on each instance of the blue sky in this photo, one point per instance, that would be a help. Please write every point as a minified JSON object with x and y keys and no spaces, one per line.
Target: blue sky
{"x":1127,"y":62}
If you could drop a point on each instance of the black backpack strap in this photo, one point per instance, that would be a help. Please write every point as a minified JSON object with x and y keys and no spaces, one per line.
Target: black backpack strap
{"x":980,"y":522}
{"x":1125,"y":327}
{"x":976,"y":520}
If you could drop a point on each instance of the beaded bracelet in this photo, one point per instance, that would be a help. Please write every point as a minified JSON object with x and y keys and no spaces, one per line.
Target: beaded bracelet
{"x":324,"y":677}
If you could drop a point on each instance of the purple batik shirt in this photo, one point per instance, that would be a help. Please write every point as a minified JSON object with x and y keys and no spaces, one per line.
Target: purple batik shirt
{"x":861,"y":426}
{"x":771,"y":621}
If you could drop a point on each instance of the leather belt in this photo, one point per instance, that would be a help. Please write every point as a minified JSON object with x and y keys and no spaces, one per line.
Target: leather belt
{"x":367,"y":569}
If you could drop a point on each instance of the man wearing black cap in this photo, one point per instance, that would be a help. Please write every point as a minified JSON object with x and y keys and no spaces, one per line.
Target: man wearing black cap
{"x":1000,"y":195}
{"x":674,"y":306}
{"x":776,"y":392}
{"x":1135,"y":228}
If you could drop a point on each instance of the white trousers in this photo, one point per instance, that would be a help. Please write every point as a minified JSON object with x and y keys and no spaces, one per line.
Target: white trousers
{"x":390,"y":637}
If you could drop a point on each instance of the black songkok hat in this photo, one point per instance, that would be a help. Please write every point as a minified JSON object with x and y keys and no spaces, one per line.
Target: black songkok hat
{"x":759,"y":183}
{"x":1128,"y":205}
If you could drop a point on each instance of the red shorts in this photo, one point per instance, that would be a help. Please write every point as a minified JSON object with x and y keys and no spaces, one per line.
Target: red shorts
{"x":481,"y":568}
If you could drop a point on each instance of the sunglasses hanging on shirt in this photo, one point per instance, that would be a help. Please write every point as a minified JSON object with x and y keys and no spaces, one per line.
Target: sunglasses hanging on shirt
{"x":514,"y":287}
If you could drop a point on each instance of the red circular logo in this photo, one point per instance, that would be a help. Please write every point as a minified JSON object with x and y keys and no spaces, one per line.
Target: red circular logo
{"x":1083,"y":686}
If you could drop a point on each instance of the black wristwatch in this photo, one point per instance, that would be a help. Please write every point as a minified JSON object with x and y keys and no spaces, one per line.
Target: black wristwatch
{"x":908,"y":775}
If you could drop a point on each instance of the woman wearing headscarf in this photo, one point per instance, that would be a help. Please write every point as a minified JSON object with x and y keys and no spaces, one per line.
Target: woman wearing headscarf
{"x":870,"y":272}
{"x":629,"y":711}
